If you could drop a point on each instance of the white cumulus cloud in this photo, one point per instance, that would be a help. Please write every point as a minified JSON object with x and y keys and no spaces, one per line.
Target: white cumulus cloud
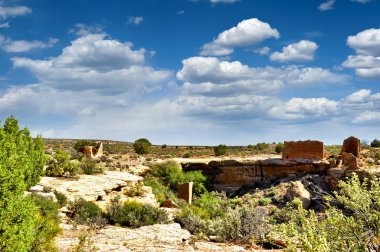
{"x":366,"y":62}
{"x":17,"y":46}
{"x":303,"y":50}
{"x":366,"y":42}
{"x":247,"y":33}
{"x":95,"y":62}
{"x":14,"y":11}
{"x":300,"y":108}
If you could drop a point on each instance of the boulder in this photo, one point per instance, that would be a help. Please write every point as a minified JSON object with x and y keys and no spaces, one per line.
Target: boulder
{"x":350,"y":161}
{"x":351,"y":145}
{"x":297,"y":190}
{"x":332,"y":182}
{"x":169,"y":204}
{"x":336,"y":172}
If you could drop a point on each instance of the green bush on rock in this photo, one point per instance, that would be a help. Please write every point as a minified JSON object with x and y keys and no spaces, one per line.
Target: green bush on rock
{"x":134,"y":214}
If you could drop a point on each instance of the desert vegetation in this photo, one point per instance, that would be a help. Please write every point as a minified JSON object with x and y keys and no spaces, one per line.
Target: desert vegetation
{"x":259,"y":216}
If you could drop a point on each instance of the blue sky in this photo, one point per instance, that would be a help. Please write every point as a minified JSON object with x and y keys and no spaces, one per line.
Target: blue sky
{"x":192,"y":72}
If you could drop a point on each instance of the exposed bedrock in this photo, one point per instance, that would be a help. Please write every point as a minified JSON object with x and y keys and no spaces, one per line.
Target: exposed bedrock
{"x":230,"y":175}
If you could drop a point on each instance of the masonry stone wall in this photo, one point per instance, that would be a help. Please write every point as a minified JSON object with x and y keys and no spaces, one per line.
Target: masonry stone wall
{"x":351,"y":145}
{"x":304,"y":150}
{"x":230,"y":175}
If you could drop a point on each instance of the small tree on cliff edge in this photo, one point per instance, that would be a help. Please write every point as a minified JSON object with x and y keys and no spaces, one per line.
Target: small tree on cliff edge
{"x":142,"y":146}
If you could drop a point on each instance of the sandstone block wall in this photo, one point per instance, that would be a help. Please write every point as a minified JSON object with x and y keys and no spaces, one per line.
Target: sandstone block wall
{"x":230,"y":175}
{"x":303,"y":149}
{"x":185,"y":191}
{"x":351,"y":145}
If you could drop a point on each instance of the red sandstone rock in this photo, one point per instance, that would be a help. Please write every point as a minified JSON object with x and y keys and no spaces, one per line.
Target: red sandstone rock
{"x":86,"y":150}
{"x":336,"y":172}
{"x":350,"y":161}
{"x":92,"y":151}
{"x":351,"y":145}
{"x":169,"y":204}
{"x":303,"y":149}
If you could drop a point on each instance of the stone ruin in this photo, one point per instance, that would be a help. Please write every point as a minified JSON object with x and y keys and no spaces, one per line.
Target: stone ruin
{"x":351,"y":145}
{"x":299,"y":159}
{"x":93,"y":151}
{"x":185,"y":191}
{"x":303,"y":149}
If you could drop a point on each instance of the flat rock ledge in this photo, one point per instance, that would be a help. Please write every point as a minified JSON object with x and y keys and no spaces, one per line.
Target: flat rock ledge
{"x":90,"y":187}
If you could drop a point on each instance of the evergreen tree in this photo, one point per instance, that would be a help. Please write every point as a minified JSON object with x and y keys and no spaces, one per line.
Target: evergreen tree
{"x":21,"y":163}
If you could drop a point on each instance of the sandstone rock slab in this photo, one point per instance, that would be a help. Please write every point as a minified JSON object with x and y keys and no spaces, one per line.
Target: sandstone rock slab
{"x":297,"y":190}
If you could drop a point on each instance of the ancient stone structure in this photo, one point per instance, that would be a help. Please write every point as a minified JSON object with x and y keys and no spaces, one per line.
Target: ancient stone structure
{"x":185,"y":191}
{"x":93,"y":151}
{"x":230,"y":175}
{"x":299,"y":159}
{"x":351,"y":145}
{"x":303,"y":149}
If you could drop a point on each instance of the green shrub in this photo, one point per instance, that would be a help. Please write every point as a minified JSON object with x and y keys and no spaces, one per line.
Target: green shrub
{"x":142,"y":146}
{"x":160,"y":191}
{"x":195,"y":224}
{"x":61,"y":198}
{"x":46,"y":224}
{"x":136,"y":190}
{"x":171,"y":174}
{"x":279,"y":147}
{"x":134,"y":214}
{"x":221,"y":150}
{"x":22,"y":160}
{"x":164,"y":146}
{"x":212,"y":203}
{"x":375,"y":143}
{"x":86,"y":213}
{"x":377,"y":155}
{"x":198,"y":180}
{"x":261,"y":146}
{"x":265,"y":201}
{"x":214,"y":214}
{"x":89,"y":166}
{"x":61,"y":164}
{"x":353,"y":226}
{"x":186,"y":155}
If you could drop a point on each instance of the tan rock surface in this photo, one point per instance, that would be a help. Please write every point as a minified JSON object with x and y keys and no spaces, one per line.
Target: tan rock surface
{"x":160,"y":237}
{"x":297,"y":190}
{"x":90,"y":187}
